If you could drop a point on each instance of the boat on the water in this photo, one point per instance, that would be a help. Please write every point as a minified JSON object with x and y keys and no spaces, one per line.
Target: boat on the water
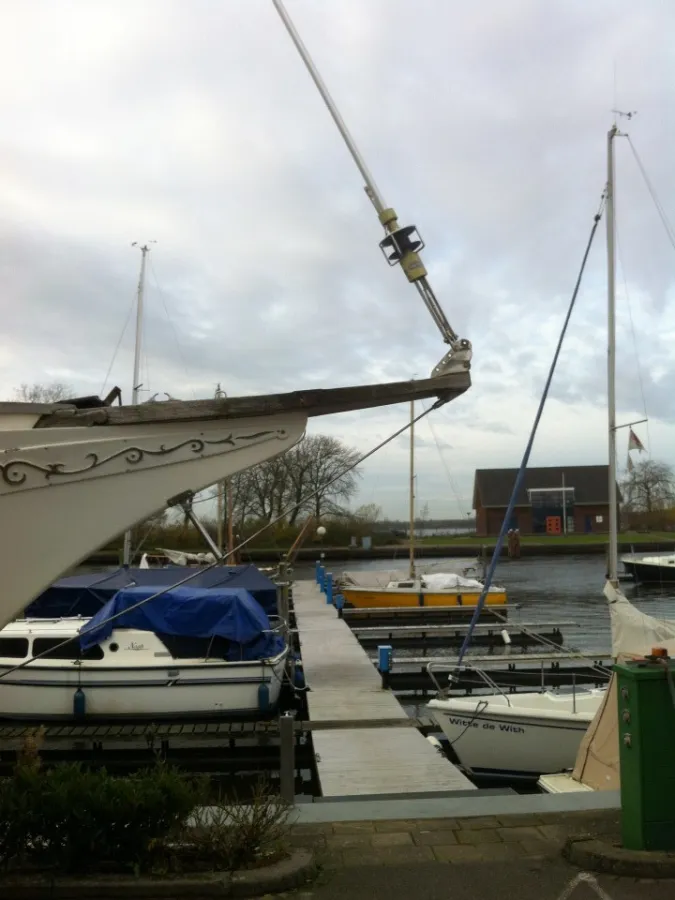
{"x":517,"y":734}
{"x":652,"y":569}
{"x":540,"y":733}
{"x":361,"y":590}
{"x":188,"y":652}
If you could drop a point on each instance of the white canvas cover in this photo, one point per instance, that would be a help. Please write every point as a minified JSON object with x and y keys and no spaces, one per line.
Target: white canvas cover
{"x":634,"y":634}
{"x":450,"y":581}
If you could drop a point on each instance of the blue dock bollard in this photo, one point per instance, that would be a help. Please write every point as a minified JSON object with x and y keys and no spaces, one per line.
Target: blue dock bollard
{"x":322,"y":578}
{"x":339,"y":604}
{"x":384,"y":659}
{"x":317,"y":571}
{"x":329,"y":588}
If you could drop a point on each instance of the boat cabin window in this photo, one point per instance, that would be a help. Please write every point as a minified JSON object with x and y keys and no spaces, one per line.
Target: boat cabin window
{"x":16,"y":648}
{"x":195,"y":648}
{"x":58,"y":650}
{"x":405,"y":584}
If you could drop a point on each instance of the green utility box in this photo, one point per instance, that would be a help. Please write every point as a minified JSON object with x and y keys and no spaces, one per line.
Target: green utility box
{"x":646,"y":699}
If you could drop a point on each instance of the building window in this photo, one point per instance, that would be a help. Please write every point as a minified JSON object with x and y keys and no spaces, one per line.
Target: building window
{"x":599,"y":520}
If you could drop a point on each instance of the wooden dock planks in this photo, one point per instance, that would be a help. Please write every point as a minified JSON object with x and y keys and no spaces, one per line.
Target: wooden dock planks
{"x":345,"y":685}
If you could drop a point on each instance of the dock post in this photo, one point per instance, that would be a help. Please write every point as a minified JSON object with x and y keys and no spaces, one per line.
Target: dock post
{"x":322,"y":578}
{"x":339,"y":604}
{"x":329,"y":588}
{"x":317,"y":571}
{"x":283,"y":589}
{"x":384,"y":659}
{"x":287,"y":762}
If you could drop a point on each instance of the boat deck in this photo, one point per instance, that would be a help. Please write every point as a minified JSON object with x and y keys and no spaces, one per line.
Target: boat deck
{"x":345,"y":685}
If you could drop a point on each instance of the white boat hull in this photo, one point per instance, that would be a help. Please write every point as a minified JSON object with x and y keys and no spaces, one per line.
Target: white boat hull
{"x":489,"y":736}
{"x":171,"y":691}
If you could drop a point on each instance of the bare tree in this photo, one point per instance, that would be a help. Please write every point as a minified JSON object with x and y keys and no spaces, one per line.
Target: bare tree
{"x":369,"y":513}
{"x":330,"y":473}
{"x":43,"y":393}
{"x":296,"y":481}
{"x":649,"y":487}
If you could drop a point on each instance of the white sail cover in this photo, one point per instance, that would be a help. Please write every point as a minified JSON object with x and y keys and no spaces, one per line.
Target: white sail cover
{"x":450,"y":581}
{"x":634,"y":634}
{"x":183,"y":558}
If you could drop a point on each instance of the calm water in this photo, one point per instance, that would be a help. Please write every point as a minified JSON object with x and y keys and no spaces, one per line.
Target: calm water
{"x":553,"y":589}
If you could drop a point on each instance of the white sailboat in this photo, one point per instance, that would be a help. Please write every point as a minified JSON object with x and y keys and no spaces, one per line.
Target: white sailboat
{"x":534,"y":733}
{"x":72,"y":478}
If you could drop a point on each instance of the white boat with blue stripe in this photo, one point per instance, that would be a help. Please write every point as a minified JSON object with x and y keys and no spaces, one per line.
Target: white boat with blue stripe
{"x":185,"y":652}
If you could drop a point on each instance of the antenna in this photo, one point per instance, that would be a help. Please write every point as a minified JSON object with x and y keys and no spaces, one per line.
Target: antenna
{"x":625,"y":115}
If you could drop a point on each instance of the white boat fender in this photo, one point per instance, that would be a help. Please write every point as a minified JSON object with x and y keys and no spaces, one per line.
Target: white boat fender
{"x":506,"y":637}
{"x":436,"y":744}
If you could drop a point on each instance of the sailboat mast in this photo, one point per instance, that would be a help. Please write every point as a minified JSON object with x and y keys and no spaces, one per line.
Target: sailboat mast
{"x":412,"y":488}
{"x":612,"y":572}
{"x":126,"y":553}
{"x":139,"y":326}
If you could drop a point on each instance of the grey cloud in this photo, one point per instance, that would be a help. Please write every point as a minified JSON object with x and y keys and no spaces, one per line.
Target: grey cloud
{"x":199,"y":127}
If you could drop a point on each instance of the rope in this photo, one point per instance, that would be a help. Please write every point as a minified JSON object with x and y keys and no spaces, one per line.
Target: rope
{"x":213,"y":565}
{"x":657,"y":203}
{"x":117,"y":347}
{"x":635,"y":346}
{"x":520,"y":477}
{"x":170,"y":321}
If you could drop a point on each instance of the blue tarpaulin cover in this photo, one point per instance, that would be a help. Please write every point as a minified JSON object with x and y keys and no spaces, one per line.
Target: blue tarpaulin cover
{"x":232,"y":614}
{"x":84,"y":595}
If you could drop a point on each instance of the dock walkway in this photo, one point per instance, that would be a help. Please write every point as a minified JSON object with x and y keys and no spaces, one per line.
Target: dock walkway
{"x":345,"y":685}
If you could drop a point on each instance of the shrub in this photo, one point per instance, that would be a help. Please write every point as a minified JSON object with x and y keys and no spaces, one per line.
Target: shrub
{"x":72,"y":819}
{"x":233,"y":835}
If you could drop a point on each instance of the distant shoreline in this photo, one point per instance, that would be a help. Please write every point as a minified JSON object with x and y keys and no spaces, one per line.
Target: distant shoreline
{"x":399,"y":552}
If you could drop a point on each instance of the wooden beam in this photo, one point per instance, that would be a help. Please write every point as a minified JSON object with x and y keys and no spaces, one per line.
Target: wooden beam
{"x":312,"y":402}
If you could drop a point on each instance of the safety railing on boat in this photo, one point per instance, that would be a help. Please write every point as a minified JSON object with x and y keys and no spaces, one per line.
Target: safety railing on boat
{"x":490,"y":682}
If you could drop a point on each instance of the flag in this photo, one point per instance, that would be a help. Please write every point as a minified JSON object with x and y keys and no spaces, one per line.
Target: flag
{"x":634,"y":442}
{"x":630,"y":464}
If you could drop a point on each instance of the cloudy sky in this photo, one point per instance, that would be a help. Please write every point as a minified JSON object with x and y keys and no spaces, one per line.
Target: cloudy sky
{"x":196,"y":125}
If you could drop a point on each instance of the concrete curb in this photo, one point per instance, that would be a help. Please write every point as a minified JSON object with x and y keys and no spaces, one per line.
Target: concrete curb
{"x":282,"y":876}
{"x":599,"y":856}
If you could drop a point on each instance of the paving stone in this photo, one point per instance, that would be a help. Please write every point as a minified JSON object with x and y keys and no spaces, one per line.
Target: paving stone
{"x":387,"y":856}
{"x":478,"y":822}
{"x":393,"y":839}
{"x":437,"y":824}
{"x":483,"y":836}
{"x":347,"y":841}
{"x":353,"y":828}
{"x":323,"y":828}
{"x":396,"y":825}
{"x":555,"y":833}
{"x":434,"y":838}
{"x":520,"y":833}
{"x":510,"y":821}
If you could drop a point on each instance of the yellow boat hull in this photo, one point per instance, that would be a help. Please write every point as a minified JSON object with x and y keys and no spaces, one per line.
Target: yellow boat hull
{"x":361,"y":598}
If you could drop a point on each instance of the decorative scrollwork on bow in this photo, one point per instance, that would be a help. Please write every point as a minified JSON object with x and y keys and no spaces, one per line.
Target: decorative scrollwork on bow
{"x":15,"y":472}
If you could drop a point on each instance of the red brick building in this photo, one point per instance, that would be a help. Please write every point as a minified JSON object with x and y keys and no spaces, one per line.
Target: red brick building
{"x":552,"y":500}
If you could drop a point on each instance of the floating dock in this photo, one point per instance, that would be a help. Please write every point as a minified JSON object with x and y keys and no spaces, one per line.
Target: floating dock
{"x":344,"y":685}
